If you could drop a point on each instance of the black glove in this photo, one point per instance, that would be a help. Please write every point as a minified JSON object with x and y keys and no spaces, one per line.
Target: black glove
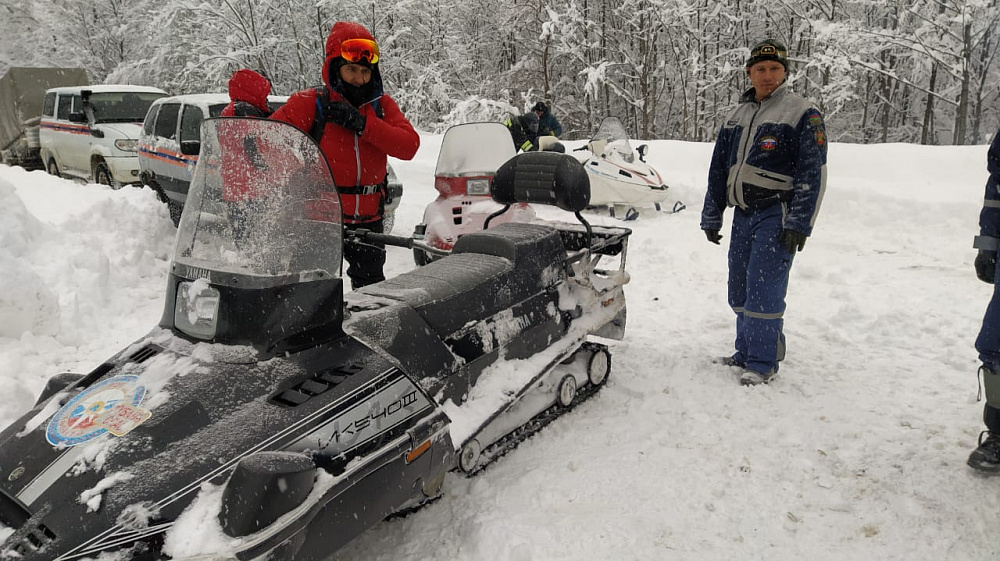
{"x":792,"y":240}
{"x":713,"y":236}
{"x":345,"y":115}
{"x":986,"y":266}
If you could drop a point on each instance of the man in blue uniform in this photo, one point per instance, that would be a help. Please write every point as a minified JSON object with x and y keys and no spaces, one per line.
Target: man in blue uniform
{"x":986,"y":457}
{"x":770,"y":164}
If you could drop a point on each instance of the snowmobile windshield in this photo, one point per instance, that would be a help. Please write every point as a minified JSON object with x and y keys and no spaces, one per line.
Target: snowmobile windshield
{"x":612,"y":137}
{"x":611,"y":129}
{"x":262,"y":207}
{"x":474,"y":149}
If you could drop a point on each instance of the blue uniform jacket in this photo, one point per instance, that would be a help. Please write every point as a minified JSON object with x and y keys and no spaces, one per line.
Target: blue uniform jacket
{"x":777,"y":144}
{"x":548,"y":124}
{"x":989,"y":217}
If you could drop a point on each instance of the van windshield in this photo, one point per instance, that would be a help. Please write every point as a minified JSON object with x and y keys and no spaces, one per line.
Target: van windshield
{"x":122,"y":107}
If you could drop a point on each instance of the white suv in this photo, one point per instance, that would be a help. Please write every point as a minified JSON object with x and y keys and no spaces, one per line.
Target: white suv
{"x":92,"y":132}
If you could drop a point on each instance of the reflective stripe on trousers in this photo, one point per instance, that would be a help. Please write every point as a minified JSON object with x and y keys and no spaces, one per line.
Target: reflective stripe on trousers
{"x":758,"y":281}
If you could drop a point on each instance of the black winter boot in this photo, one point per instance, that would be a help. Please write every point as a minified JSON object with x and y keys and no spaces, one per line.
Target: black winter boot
{"x":986,"y":458}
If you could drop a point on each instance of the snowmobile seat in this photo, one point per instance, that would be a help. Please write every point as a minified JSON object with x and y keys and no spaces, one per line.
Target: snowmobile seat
{"x":486,"y":273}
{"x":532,"y":248}
{"x":452,"y":292}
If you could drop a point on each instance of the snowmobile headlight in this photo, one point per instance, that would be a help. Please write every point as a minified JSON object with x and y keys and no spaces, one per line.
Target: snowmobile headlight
{"x":477,"y":186}
{"x":196,"y":309}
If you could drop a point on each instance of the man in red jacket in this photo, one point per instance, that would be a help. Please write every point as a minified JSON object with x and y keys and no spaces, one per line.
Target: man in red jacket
{"x":358,"y":126}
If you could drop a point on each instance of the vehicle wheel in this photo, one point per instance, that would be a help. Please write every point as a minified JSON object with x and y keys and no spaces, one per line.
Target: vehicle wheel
{"x":175,"y":210}
{"x":102,"y":175}
{"x":566,"y":390}
{"x":469,"y":458}
{"x":52,"y":168}
{"x":155,"y":186}
{"x":599,"y":367}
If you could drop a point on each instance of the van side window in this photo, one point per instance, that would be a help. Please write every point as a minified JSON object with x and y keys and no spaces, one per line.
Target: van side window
{"x":65,"y":106}
{"x":191,"y":123}
{"x":147,"y":125}
{"x":166,"y":121}
{"x":77,"y":102}
{"x":49,"y":105}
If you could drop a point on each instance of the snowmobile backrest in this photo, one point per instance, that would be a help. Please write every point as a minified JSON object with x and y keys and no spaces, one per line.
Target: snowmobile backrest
{"x":547,"y":178}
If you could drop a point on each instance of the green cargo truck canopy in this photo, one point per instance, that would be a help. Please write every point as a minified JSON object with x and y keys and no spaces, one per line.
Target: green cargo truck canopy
{"x":22,"y":91}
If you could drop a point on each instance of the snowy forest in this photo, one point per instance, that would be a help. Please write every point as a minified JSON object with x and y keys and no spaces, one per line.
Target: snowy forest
{"x":916,"y":71}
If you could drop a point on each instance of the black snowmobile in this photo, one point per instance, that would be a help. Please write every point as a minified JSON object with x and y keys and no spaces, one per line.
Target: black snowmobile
{"x":271,"y":417}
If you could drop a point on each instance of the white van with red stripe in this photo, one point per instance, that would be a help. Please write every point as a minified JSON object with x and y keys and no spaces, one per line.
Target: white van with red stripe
{"x":92,"y":132}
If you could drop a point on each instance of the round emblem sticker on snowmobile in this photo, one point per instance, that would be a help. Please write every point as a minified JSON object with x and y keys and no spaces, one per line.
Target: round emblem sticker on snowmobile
{"x":768,"y":143}
{"x":76,"y":422}
{"x":16,"y":474}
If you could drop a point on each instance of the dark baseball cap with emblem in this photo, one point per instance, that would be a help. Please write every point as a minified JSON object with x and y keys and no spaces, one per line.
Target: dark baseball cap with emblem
{"x":768,"y":49}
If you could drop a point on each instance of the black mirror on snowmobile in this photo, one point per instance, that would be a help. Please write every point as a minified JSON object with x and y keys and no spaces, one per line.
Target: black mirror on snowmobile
{"x":643,"y":149}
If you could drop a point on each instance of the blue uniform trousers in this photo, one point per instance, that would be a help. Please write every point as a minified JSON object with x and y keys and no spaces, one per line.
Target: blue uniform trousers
{"x":758,"y":280}
{"x":988,"y":345}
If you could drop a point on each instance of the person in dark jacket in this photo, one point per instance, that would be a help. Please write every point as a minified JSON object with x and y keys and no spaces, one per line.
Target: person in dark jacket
{"x":547,"y":122}
{"x":248,"y":93}
{"x":770,"y":163}
{"x":986,"y":457}
{"x":359,"y":125}
{"x":523,"y":131}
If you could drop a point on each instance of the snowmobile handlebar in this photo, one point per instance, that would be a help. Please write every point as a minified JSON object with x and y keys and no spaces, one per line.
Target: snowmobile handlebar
{"x":363,"y":236}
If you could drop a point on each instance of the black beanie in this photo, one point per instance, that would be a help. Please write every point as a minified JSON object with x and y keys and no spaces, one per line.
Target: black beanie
{"x":768,"y":49}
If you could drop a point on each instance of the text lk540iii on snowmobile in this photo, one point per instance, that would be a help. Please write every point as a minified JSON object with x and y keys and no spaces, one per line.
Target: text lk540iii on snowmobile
{"x":271,"y":417}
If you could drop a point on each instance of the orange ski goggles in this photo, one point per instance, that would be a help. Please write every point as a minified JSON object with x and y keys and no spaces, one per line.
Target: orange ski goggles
{"x":357,"y":50}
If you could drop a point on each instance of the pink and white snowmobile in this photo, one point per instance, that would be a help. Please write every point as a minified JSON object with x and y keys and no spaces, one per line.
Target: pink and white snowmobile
{"x":470,"y":155}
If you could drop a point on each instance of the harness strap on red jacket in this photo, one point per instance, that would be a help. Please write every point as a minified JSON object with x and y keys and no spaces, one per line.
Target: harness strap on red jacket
{"x":362,"y":203}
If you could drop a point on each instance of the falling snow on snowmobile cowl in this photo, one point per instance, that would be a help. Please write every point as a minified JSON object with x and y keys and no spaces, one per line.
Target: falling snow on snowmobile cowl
{"x":269,"y":416}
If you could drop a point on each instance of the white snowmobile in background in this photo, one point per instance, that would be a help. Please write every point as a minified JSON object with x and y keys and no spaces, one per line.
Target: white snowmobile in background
{"x":470,"y":155}
{"x":618,"y":180}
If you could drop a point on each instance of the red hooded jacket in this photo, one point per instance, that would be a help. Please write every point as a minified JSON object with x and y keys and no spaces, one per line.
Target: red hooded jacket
{"x":249,"y":87}
{"x":248,"y":92}
{"x":355,"y":160}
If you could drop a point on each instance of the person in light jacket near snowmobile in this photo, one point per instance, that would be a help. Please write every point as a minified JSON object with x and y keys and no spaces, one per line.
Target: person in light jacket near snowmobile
{"x":986,"y":457}
{"x":770,"y":164}
{"x":356,"y":125}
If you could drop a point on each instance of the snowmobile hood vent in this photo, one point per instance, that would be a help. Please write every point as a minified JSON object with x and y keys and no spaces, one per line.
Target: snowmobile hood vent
{"x":315,"y":385}
{"x":33,"y":539}
{"x":144,"y":354}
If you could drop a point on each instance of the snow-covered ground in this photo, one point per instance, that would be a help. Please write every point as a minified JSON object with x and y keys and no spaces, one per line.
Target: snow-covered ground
{"x":856,"y":451}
